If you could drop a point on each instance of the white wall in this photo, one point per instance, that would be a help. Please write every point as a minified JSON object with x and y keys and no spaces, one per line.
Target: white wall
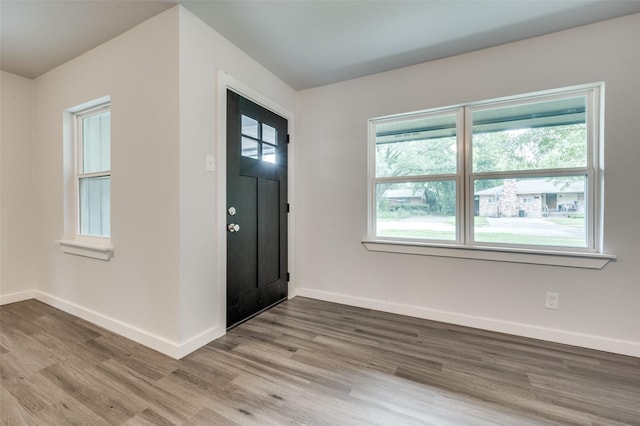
{"x":16,"y":180}
{"x":598,"y":308}
{"x":136,"y":292}
{"x":202,"y":53}
{"x":162,"y":287}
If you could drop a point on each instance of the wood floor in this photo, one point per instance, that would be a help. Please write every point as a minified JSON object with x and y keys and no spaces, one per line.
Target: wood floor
{"x":307,"y":362}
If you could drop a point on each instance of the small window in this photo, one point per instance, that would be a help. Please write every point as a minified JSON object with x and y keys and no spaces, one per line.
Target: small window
{"x":93,"y":171}
{"x":259,"y":140}
{"x":521,"y":172}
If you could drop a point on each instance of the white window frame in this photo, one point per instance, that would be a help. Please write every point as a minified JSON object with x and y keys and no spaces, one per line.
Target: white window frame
{"x":74,"y":242}
{"x":465,"y":246}
{"x":79,"y":173}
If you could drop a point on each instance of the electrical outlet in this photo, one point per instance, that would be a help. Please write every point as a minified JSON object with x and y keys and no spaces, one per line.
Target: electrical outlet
{"x":552,"y":301}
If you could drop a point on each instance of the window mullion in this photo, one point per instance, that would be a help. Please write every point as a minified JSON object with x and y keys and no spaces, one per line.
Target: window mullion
{"x":594,"y":152}
{"x":105,"y":173}
{"x":523,"y":174}
{"x":419,"y":178}
{"x":462,"y":181}
{"x":77,"y":170}
{"x":592,"y":204}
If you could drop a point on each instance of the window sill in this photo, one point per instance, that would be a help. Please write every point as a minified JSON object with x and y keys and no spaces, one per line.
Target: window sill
{"x":95,"y":251}
{"x":566,"y":259}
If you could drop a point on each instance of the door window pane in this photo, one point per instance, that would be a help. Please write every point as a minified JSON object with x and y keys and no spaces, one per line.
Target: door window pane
{"x":259,"y":140}
{"x":546,"y":211}
{"x":268,"y":153}
{"x":269,"y":134}
{"x":250,"y":127}
{"x":250,"y":148}
{"x":418,"y":210}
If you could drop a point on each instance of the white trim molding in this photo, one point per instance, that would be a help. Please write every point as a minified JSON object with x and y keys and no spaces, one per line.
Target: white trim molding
{"x":198,"y":341}
{"x":19,"y":296}
{"x":94,"y":251}
{"x":540,"y":257}
{"x":623,"y":347}
{"x":168,"y":347}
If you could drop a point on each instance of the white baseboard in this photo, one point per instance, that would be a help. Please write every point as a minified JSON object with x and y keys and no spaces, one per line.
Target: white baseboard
{"x":623,"y":347}
{"x":16,"y":297}
{"x":198,"y":341}
{"x":160,"y":344}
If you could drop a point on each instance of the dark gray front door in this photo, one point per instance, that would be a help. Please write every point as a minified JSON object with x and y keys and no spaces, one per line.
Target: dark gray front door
{"x":256,"y":208}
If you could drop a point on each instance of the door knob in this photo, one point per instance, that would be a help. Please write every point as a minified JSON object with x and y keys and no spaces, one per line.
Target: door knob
{"x":233,"y":227}
{"x":232,"y":211}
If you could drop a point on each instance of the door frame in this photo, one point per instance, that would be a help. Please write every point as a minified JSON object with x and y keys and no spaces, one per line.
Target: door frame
{"x":224,"y":82}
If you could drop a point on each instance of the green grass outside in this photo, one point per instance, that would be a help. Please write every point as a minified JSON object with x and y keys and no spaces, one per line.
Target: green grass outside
{"x":530,"y":239}
{"x":480,"y":221}
{"x":486,"y":237}
{"x":386,"y":216}
{"x":449,"y":220}
{"x":418,"y":234}
{"x":574,"y":222}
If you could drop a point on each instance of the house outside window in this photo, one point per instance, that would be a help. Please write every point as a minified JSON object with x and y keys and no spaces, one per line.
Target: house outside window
{"x":522,"y":172}
{"x":526,"y":200}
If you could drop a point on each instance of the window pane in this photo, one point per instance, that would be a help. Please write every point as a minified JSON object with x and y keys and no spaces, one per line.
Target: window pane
{"x":95,"y":206}
{"x":531,"y":136}
{"x":419,"y":146}
{"x":268,"y":153}
{"x":536,"y":211}
{"x":96,"y":145}
{"x":423,"y":210}
{"x":249,"y":127}
{"x":250,"y":148}
{"x":269,"y":134}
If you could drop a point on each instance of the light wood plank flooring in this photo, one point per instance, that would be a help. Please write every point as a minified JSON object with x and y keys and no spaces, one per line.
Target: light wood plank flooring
{"x":307,"y":362}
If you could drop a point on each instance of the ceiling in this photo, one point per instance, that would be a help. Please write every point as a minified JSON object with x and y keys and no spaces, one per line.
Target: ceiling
{"x":306,"y":43}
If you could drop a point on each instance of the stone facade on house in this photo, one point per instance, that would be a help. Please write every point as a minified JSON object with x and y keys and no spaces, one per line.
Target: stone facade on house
{"x":530,"y":198}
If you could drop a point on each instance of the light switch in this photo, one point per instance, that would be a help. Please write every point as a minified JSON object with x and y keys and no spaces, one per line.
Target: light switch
{"x":211,"y":163}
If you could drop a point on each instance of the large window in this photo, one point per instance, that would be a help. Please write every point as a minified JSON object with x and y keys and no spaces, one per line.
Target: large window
{"x":93,"y":172}
{"x":519,"y":173}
